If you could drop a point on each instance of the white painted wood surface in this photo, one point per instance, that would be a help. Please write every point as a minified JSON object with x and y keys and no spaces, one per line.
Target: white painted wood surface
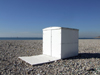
{"x":47,"y":42}
{"x":64,"y":42}
{"x":58,"y":43}
{"x":38,"y":59}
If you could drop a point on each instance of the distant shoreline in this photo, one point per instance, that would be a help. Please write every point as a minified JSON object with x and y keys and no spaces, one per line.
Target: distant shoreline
{"x":98,"y":37}
{"x":89,"y":38}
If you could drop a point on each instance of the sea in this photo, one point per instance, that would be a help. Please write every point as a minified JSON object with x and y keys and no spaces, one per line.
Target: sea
{"x":20,"y":38}
{"x":30,"y":38}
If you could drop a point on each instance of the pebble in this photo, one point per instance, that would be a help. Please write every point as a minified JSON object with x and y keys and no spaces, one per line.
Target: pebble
{"x":86,"y":63}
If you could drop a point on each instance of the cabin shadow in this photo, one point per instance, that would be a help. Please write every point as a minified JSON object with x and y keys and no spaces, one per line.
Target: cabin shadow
{"x":85,"y":56}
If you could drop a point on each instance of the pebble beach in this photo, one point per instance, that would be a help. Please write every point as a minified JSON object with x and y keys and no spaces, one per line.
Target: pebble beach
{"x":86,"y":63}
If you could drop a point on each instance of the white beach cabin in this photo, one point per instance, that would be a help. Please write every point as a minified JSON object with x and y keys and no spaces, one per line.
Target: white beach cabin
{"x":58,"y":43}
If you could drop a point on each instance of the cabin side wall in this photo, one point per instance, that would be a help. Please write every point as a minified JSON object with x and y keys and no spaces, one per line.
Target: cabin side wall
{"x":69,"y":43}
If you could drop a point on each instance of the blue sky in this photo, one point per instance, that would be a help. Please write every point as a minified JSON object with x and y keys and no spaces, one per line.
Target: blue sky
{"x":27,"y":18}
